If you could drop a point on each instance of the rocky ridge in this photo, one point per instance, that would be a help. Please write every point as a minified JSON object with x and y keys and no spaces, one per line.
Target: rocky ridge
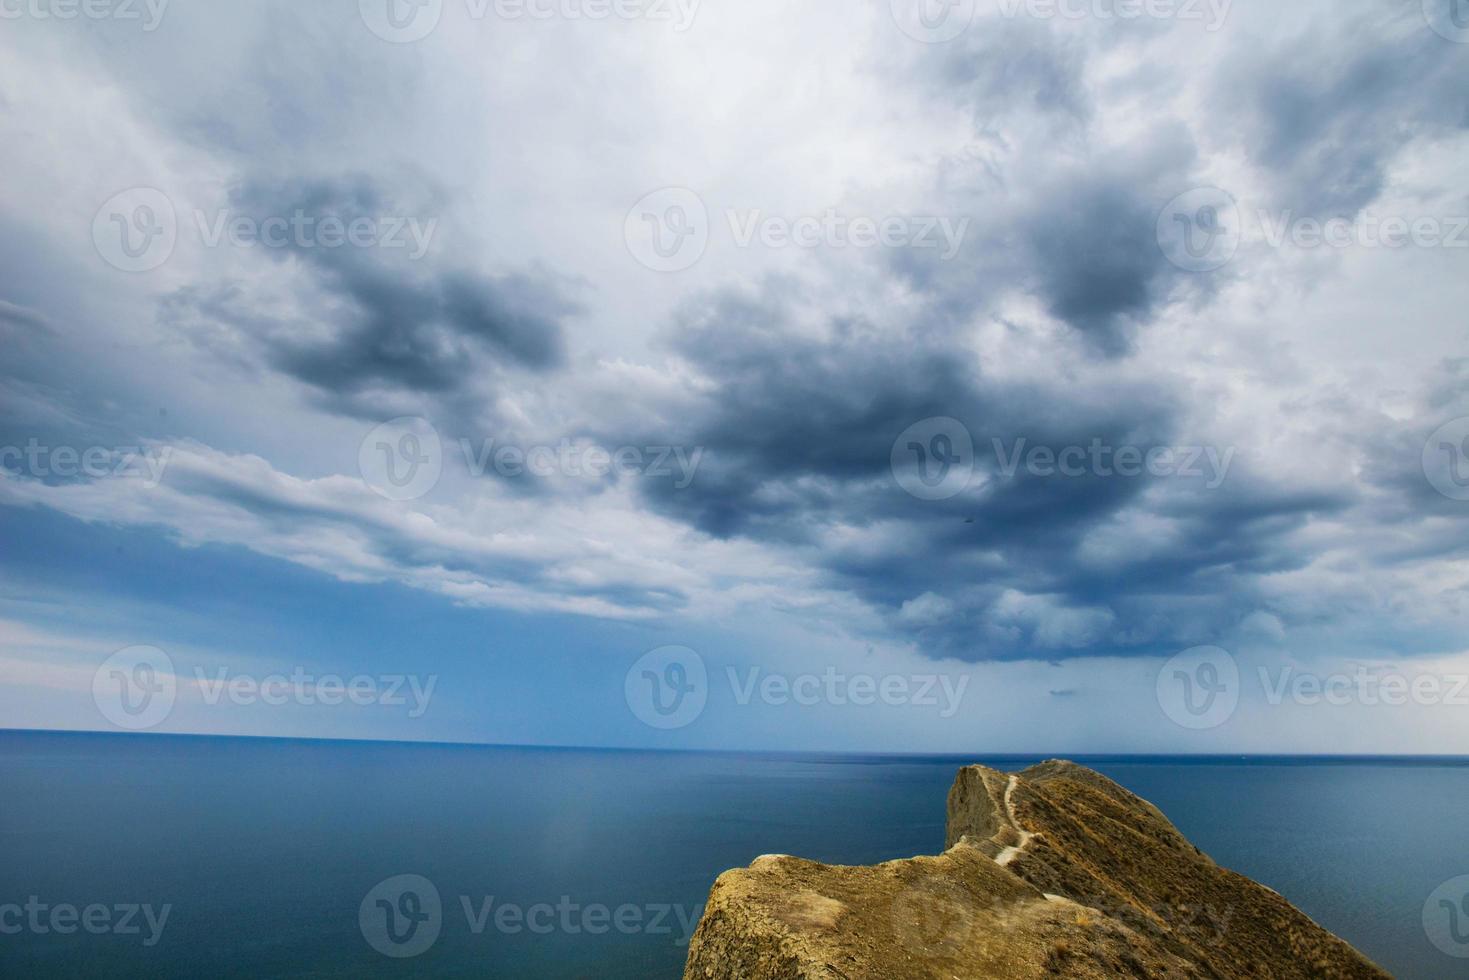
{"x":1054,"y":872}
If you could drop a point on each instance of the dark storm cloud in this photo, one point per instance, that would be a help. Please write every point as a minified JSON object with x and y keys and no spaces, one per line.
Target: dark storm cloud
{"x":1082,"y":240}
{"x":1394,"y":455}
{"x":799,"y":430}
{"x":803,"y":427}
{"x":423,"y":335}
{"x":1055,"y":210}
{"x":414,"y":328}
{"x":1096,"y":261}
{"x":388,"y":319}
{"x":1012,"y":66}
{"x":1324,"y":116}
{"x":1084,"y":244}
{"x":1062,"y":186}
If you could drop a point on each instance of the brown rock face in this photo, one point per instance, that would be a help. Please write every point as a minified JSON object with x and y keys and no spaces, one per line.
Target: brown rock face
{"x":1055,"y":872}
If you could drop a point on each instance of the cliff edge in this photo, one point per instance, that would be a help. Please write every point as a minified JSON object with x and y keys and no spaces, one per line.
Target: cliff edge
{"x":1054,"y":872}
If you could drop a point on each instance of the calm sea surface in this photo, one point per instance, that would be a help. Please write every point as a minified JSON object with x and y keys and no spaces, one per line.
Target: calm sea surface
{"x":561,"y":863}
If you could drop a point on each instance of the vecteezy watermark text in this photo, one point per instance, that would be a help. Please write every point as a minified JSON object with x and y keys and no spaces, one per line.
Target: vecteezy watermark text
{"x":669,"y":230}
{"x":307,"y":689}
{"x":1367,"y":230}
{"x":36,"y":459}
{"x":936,"y":917}
{"x":832,"y":229}
{"x":406,"y":21}
{"x":669,"y":688}
{"x":137,"y":230}
{"x":149,"y":12}
{"x":403,"y":916}
{"x":1209,"y":463}
{"x":403,"y":459}
{"x":1201,"y":688}
{"x":303,"y":230}
{"x":98,"y":919}
{"x":1365,"y":686}
{"x":935,"y":460}
{"x":833,"y":687}
{"x":1211,"y":13}
{"x":136,"y":688}
{"x":1202,"y":230}
{"x":571,"y":918}
{"x":938,"y":21}
{"x":679,"y":13}
{"x":568,"y":458}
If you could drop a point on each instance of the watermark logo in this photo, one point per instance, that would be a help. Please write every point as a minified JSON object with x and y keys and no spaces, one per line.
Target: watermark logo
{"x":667,"y":688}
{"x":679,"y":13}
{"x":572,"y":918}
{"x":1100,"y":459}
{"x":1199,"y":688}
{"x":833,"y":229}
{"x":402,"y":459}
{"x":41,"y":461}
{"x":402,"y":916}
{"x":150,"y":12}
{"x":401,"y":21}
{"x":933,"y":21}
{"x":934,"y":918}
{"x":64,"y":919}
{"x":1366,"y":230}
{"x":409,"y":691}
{"x":941,"y":692}
{"x":406,"y":21}
{"x":1448,"y":18}
{"x":1200,"y":230}
{"x":1446,"y":917}
{"x":934,"y":459}
{"x":305,"y":230}
{"x":135,"y":230}
{"x":1212,"y":13}
{"x":135,"y":688}
{"x":676,"y":464}
{"x":1369,"y":687}
{"x":1446,"y":459}
{"x":937,"y":21}
{"x":668,"y":230}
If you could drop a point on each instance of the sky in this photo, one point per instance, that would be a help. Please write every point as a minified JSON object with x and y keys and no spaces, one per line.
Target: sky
{"x":1064,"y":377}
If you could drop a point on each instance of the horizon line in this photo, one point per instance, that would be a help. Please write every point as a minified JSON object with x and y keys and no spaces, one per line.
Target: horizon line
{"x":854,"y":753}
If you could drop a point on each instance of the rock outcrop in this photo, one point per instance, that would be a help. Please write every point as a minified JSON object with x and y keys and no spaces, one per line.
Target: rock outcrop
{"x":1055,"y":872}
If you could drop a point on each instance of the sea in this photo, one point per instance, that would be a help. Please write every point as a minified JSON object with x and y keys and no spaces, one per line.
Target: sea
{"x":180,"y":856}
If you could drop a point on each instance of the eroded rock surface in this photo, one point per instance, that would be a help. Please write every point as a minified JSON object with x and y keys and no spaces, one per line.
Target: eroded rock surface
{"x":1054,"y":872}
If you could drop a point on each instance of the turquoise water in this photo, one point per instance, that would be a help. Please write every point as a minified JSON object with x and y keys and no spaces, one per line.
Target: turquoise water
{"x":591,"y":863}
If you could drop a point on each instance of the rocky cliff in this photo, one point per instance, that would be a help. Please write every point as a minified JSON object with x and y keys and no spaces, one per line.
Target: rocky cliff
{"x":1054,"y":872}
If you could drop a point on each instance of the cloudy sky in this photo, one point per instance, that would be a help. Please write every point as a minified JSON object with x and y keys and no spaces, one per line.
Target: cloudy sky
{"x":912,"y":376}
